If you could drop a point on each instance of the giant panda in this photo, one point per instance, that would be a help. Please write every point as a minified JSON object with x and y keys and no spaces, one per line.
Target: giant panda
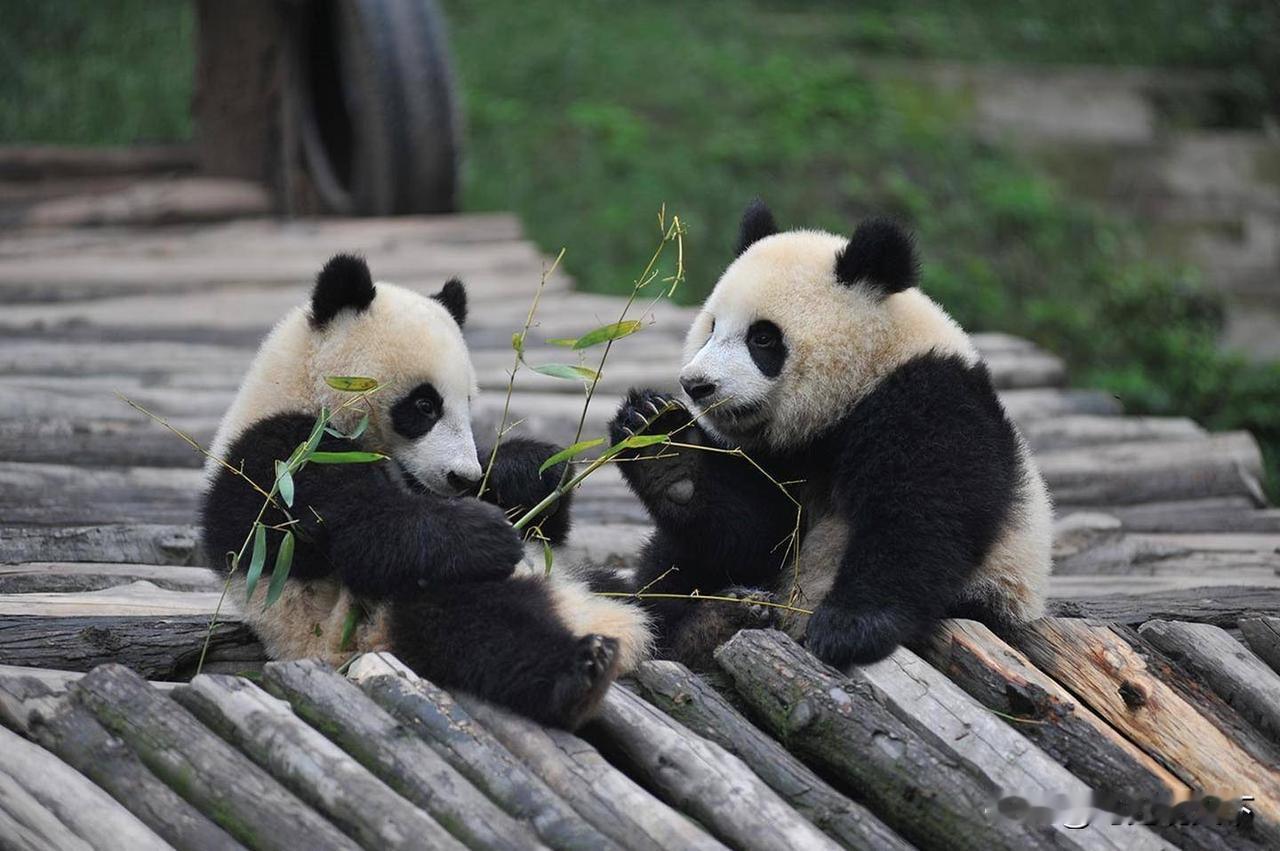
{"x":818,"y":356}
{"x":430,"y":565}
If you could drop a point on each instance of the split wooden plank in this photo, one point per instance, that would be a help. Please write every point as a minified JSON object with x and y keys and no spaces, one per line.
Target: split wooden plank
{"x":703,"y":779}
{"x":87,"y":812}
{"x":140,"y":543}
{"x":219,"y":780}
{"x":1222,"y":606}
{"x":471,"y":749}
{"x":1215,"y":514}
{"x":1071,"y":432}
{"x":36,"y":706}
{"x":89,"y":576}
{"x":601,"y":794}
{"x":1263,"y":635}
{"x":1115,"y":680}
{"x":1238,"y":676}
{"x":315,"y":769}
{"x":138,"y":598}
{"x":159,"y":647}
{"x":339,"y":710}
{"x":839,"y":727}
{"x":686,"y":697}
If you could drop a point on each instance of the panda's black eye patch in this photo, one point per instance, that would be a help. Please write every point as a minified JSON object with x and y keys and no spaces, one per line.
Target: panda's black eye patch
{"x":415,"y":414}
{"x":767,"y":348}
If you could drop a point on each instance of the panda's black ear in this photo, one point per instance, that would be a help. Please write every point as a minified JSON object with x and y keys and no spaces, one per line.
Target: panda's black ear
{"x":453,"y":295}
{"x":880,"y":254}
{"x":343,"y":283}
{"x":757,"y":223}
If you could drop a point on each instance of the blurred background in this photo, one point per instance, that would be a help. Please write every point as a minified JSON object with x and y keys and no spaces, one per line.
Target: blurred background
{"x":1101,"y":177}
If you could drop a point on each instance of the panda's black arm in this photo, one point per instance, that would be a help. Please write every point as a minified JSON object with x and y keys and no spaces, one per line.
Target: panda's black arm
{"x":354,"y":519}
{"x":927,"y":478}
{"x":515,"y":485}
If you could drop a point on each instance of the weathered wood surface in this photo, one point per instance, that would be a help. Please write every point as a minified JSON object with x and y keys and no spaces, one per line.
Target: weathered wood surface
{"x":602,"y":794}
{"x":1222,"y":606}
{"x":38,"y":790}
{"x":839,"y":727}
{"x":1238,"y":676}
{"x":1106,"y":672}
{"x":63,"y":577}
{"x":315,"y":769}
{"x":219,"y":780}
{"x":1214,"y":514}
{"x":134,"y":543}
{"x":1263,"y":636}
{"x":471,"y":749}
{"x":687,"y":698}
{"x":701,"y":778}
{"x":341,"y":711}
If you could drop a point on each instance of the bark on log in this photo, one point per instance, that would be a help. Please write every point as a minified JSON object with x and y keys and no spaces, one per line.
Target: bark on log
{"x":1215,"y":514}
{"x":1263,"y":636}
{"x":158,"y":647}
{"x":686,"y":697}
{"x":1105,"y":671}
{"x":65,"y":577}
{"x":137,"y":543}
{"x":1072,"y":432}
{"x":930,"y":797}
{"x":600,"y":793}
{"x":43,"y":162}
{"x":87,"y":811}
{"x":1239,"y":677}
{"x":1222,"y":606}
{"x":702,"y":779}
{"x":471,"y":749}
{"x":337,"y":708}
{"x":1206,"y":555}
{"x":26,"y":825}
{"x":312,"y":767}
{"x":221,"y":782}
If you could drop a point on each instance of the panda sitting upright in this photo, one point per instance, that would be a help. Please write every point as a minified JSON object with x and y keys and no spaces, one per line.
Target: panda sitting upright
{"x":431,"y":566}
{"x":817,"y":355}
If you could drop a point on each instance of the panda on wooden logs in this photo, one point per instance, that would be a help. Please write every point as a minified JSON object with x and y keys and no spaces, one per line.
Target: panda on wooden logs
{"x":817,"y":355}
{"x":429,"y":564}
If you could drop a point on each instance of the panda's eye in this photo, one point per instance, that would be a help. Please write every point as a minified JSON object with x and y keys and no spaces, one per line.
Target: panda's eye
{"x":425,"y":406}
{"x":763,"y":335}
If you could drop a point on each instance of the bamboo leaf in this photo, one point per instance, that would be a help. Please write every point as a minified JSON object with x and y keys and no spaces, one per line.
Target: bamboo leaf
{"x":640,"y":440}
{"x":567,"y":342}
{"x":351,"y":383}
{"x":546,"y":556}
{"x":517,"y":342}
{"x":564,"y":370}
{"x":355,"y":614}
{"x":614,"y":331}
{"x":345,"y":457}
{"x":569,"y":452}
{"x":355,"y":433}
{"x":256,"y":562}
{"x":284,"y":483}
{"x":317,"y":432}
{"x":280,"y":573}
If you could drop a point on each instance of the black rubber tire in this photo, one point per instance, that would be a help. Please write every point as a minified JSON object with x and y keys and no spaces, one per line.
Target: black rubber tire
{"x":379,"y":124}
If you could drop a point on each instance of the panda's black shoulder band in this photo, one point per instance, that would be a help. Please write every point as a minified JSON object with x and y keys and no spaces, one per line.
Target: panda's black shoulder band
{"x":880,"y":254}
{"x":343,"y":283}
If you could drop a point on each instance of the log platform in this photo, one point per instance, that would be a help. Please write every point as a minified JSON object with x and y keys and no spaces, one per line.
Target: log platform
{"x":1151,"y":692}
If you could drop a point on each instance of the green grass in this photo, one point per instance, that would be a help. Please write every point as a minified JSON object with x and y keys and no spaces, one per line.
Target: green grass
{"x":585,"y":116}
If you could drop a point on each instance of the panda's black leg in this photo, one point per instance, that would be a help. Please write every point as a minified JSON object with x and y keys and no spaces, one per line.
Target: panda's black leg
{"x":516,"y":486}
{"x":503,"y":641}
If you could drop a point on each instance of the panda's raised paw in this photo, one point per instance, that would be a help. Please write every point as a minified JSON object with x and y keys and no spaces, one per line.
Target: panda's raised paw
{"x":592,"y":667}
{"x":648,"y":412}
{"x":842,"y":637}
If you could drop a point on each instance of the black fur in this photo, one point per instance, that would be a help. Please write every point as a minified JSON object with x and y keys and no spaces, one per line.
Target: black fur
{"x":418,"y":412}
{"x":343,"y":283}
{"x":767,"y":347}
{"x":757,"y":223}
{"x":516,"y":485}
{"x":880,"y":254}
{"x":925,"y":469}
{"x":454,"y":297}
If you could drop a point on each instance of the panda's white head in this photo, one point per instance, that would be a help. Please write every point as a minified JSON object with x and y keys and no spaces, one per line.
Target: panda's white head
{"x":802,"y":325}
{"x":411,"y":343}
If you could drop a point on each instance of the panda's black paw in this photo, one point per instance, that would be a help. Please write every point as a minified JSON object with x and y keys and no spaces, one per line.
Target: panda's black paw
{"x":649,"y":412}
{"x":592,"y":666}
{"x":841,"y":636}
{"x":663,"y":476}
{"x":481,"y":544}
{"x":758,"y":608}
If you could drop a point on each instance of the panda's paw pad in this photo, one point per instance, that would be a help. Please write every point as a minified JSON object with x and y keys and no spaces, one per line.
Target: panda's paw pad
{"x":758,"y":606}
{"x":647,"y":412}
{"x":592,"y":668}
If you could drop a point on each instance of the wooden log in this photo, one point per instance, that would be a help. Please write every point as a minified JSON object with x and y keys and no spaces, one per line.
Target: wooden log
{"x":153,"y":201}
{"x":601,"y":794}
{"x":471,"y":749}
{"x":702,"y":779}
{"x":1116,"y":681}
{"x":929,"y":796}
{"x":133,"y":543}
{"x":342,"y":712}
{"x":1072,"y":432}
{"x":1215,"y":514}
{"x":88,"y":812}
{"x":50,"y":494}
{"x":937,"y":709}
{"x":64,"y":577}
{"x":1031,"y":368}
{"x":1085,"y":587}
{"x":133,"y":599}
{"x":1025,"y":405}
{"x":312,"y":767}
{"x":1263,"y":636}
{"x":686,"y":697}
{"x":42,"y":162}
{"x":1227,"y":464}
{"x":1206,"y":555}
{"x":1240,"y":678}
{"x":1222,"y":606}
{"x":220,"y":781}
{"x":158,"y":647}
{"x":26,"y":825}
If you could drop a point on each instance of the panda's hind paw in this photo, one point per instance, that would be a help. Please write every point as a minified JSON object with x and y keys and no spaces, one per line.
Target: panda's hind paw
{"x":593,"y":666}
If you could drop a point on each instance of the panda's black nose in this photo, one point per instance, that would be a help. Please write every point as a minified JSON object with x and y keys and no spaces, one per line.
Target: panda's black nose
{"x":462,"y":484}
{"x":698,"y":387}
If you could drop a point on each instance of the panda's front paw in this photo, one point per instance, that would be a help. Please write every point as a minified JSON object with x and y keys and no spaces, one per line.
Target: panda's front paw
{"x":482,"y":545}
{"x":648,"y":412}
{"x":841,"y":636}
{"x":760,"y":608}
